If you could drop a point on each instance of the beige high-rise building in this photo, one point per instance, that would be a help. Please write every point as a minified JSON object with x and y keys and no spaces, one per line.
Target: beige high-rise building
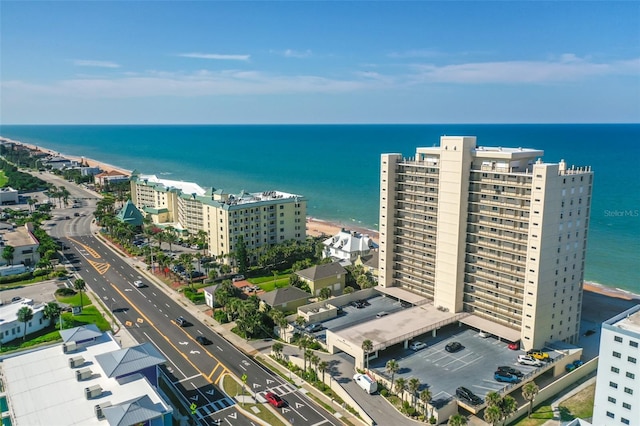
{"x":489,"y":230}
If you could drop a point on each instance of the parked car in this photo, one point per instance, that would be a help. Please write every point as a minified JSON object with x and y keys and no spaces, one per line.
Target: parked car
{"x":484,"y":334}
{"x":405,"y":304}
{"x":203,"y":340}
{"x":357,"y":304}
{"x":182,"y":322}
{"x":312,"y":328}
{"x":572,"y":366}
{"x":237,"y":278}
{"x":274,"y":399}
{"x":578,"y":363}
{"x":416,"y":346}
{"x":381,"y":314}
{"x":510,"y":370}
{"x":453,"y":347}
{"x":528,"y":360}
{"x":514,"y":346}
{"x":538,"y":354}
{"x":503,"y":376}
{"x":467,"y":395}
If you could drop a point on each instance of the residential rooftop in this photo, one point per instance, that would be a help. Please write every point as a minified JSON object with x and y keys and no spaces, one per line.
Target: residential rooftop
{"x":185,"y":187}
{"x":627,"y":320}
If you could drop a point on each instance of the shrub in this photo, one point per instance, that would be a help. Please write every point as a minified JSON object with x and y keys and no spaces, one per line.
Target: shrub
{"x":65,"y":292}
{"x":384,"y":393}
{"x":432,"y":420}
{"x":220,"y":316}
{"x":40,"y":272}
{"x":15,"y":278}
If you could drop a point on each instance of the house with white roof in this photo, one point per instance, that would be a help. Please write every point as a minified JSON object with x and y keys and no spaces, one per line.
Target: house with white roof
{"x":347,"y":245}
{"x":87,"y":380}
{"x":11,"y":328}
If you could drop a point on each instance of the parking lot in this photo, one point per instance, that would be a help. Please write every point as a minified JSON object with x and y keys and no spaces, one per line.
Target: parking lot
{"x":351,"y":315}
{"x":442,"y":372}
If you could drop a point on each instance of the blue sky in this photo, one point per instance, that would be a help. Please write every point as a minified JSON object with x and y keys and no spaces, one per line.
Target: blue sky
{"x":295,"y":62}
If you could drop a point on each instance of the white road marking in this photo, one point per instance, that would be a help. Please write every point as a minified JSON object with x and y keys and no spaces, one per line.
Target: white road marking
{"x":165,"y":355}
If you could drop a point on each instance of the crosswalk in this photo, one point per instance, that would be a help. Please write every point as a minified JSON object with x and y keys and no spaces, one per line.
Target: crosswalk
{"x":281,"y":390}
{"x":212,"y":407}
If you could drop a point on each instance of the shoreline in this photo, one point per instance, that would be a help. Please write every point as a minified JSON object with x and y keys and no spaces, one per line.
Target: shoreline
{"x":318,"y":227}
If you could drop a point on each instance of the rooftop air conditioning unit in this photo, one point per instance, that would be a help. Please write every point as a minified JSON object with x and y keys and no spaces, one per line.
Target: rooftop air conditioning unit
{"x":98,"y":409}
{"x":93,"y":391}
{"x":83,"y":374}
{"x":69,"y":347}
{"x":76,"y":361}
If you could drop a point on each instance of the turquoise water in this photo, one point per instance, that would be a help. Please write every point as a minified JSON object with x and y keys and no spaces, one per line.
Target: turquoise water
{"x":337,"y":167}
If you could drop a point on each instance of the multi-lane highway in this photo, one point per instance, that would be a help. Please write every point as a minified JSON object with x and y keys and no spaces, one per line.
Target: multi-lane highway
{"x":149,"y":315}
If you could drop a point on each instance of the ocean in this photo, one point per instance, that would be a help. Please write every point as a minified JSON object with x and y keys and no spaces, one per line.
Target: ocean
{"x":336,"y":167}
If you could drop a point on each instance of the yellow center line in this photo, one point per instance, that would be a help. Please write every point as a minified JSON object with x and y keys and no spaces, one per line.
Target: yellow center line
{"x":169,"y":341}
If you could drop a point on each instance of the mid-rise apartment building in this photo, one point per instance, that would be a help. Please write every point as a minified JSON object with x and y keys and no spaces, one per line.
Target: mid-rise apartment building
{"x":618,"y":382}
{"x":489,"y":230}
{"x":262,"y":218}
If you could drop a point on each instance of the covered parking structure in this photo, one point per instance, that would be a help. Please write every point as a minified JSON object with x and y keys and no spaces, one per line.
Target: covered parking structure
{"x":498,"y":330}
{"x":389,"y":330}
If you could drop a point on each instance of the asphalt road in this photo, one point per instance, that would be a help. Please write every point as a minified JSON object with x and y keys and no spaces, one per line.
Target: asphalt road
{"x":149,"y":314}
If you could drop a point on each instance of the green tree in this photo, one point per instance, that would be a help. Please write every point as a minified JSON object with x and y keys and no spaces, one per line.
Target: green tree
{"x":7,"y":254}
{"x":277,"y":348}
{"x":401,"y":386}
{"x":367,"y":347}
{"x":348,"y":290}
{"x":303,"y":344}
{"x":52,"y":311}
{"x":25,"y":314}
{"x":457,"y":420}
{"x":325,"y":293}
{"x":80,"y":285}
{"x":425,"y":398}
{"x":323,"y":366}
{"x":508,"y":406}
{"x":412,"y":386}
{"x":392,"y":367}
{"x":492,"y":415}
{"x":529,"y":392}
{"x":240,"y":255}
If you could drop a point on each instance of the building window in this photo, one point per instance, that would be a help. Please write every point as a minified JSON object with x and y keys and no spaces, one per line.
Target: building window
{"x":610,"y":414}
{"x":618,"y":339}
{"x":615,"y":370}
{"x":631,"y":359}
{"x":616,"y":354}
{"x":633,"y":344}
{"x":613,"y":385}
{"x":628,"y":390}
{"x":612,"y":399}
{"x":631,"y":375}
{"x":624,"y":421}
{"x":627,"y":406}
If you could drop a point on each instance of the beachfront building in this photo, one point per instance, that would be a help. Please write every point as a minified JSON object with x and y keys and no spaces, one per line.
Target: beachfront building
{"x":348,"y":246}
{"x":86,"y":380}
{"x":328,"y":275}
{"x":8,"y":195}
{"x":261,"y":218}
{"x":618,"y":381}
{"x":490,"y":231}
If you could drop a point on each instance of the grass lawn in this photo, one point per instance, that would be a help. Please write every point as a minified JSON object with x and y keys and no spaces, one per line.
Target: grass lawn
{"x":3,"y":179}
{"x":89,"y":315}
{"x":579,"y":405}
{"x":538,"y":417}
{"x":269,"y":278}
{"x":74,"y":300}
{"x":232,"y":388}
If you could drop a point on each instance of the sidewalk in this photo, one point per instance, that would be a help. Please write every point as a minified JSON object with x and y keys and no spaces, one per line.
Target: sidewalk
{"x":253,"y":349}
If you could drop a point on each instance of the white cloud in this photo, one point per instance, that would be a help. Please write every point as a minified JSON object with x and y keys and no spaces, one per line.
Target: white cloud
{"x":92,"y":63}
{"x":569,"y":67}
{"x":295,"y":54}
{"x":216,"y":56}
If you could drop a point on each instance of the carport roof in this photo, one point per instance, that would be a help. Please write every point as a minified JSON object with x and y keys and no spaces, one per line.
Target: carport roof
{"x":402,"y":294}
{"x":496,"y":329}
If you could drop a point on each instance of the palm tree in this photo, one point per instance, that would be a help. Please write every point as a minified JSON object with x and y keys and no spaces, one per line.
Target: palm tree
{"x":508,"y":407}
{"x":367,"y":347}
{"x":315,"y":360}
{"x":52,"y":311}
{"x":303,"y":344}
{"x":401,"y":385}
{"x":300,"y":321}
{"x":322,"y":366}
{"x":493,"y":398}
{"x":413,"y":385}
{"x":25,"y":314}
{"x":8,"y":253}
{"x":170,"y":238}
{"x":392,"y":368}
{"x":277,"y":348}
{"x":529,"y":392}
{"x":425,"y":398}
{"x":492,"y":414}
{"x":457,"y":420}
{"x":80,"y":285}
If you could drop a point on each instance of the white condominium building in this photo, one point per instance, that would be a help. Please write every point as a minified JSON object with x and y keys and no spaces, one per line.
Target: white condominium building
{"x":262,"y":218}
{"x":618,"y":382}
{"x":489,"y":230}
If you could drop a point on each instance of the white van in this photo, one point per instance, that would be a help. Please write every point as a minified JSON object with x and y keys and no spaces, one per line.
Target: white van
{"x":366,"y":383}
